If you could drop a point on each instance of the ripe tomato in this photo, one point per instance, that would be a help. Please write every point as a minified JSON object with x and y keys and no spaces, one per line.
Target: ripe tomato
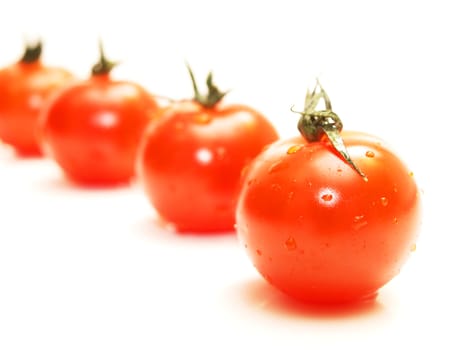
{"x":92,"y":128}
{"x":191,"y":160}
{"x":321,"y":228}
{"x":24,"y":88}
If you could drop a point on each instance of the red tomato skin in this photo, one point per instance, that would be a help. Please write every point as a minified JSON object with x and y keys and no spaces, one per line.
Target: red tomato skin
{"x":24,"y":90}
{"x":93,"y":128}
{"x":191,"y":161}
{"x":316,"y":230}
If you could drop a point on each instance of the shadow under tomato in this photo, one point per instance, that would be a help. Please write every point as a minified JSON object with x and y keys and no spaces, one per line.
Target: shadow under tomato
{"x":59,"y":181}
{"x":261,"y":295}
{"x":156,"y":228}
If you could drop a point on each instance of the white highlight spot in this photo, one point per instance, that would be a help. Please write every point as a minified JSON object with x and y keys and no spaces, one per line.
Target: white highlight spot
{"x":35,"y":101}
{"x":328,"y":197}
{"x":204,"y":156}
{"x":107,"y":120}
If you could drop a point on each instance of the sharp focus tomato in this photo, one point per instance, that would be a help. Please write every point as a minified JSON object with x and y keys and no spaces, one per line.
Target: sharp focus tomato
{"x":24,"y":88}
{"x":191,"y":160}
{"x":319,"y":231}
{"x":92,"y":129}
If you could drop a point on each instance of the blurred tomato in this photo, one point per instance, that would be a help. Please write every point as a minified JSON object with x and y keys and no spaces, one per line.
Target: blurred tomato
{"x":24,"y":88}
{"x":92,"y":128}
{"x":192,"y":158}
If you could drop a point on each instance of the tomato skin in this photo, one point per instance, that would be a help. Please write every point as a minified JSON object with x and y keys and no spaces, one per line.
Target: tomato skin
{"x":24,"y":89}
{"x":191,"y":160}
{"x":92,"y":129}
{"x":315,"y":229}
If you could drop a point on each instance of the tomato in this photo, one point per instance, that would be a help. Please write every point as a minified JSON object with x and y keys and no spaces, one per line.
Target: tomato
{"x":323,"y":228}
{"x":92,"y":128}
{"x":24,"y":88}
{"x":192,"y":158}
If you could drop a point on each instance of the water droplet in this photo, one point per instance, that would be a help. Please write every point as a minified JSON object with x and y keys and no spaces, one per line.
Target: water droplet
{"x":384,"y":201}
{"x":413,"y":248}
{"x":395,"y":220}
{"x":220,"y":152}
{"x":276,"y":166}
{"x":203,"y":118}
{"x":395,"y":189}
{"x":328,"y":196}
{"x":294,"y":149}
{"x":370,"y":154}
{"x":411,"y":173}
{"x":244,"y":170}
{"x":259,"y":252}
{"x":290,"y":243}
{"x":276,"y":187}
{"x":291,"y":194}
{"x":359,"y":222}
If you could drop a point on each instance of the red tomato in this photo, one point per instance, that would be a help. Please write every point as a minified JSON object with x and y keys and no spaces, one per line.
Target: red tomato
{"x":24,"y":88}
{"x":317,"y":229}
{"x":92,"y":128}
{"x":191,"y":160}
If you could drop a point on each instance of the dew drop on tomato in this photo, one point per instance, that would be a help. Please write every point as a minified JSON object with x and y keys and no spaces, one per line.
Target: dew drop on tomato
{"x":384,"y":201}
{"x":276,"y":187}
{"x":370,"y":154}
{"x":220,"y":152}
{"x":359,"y":222}
{"x":290,"y":243}
{"x":327,"y":197}
{"x":294,"y":149}
{"x":277,"y":166}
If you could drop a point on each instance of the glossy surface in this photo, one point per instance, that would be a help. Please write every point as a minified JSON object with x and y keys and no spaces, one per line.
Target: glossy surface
{"x":317,"y":230}
{"x":191,"y":161}
{"x":24,"y":89}
{"x":92,"y":129}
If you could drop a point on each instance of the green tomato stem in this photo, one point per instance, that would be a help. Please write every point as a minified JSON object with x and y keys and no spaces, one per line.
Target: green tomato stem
{"x":32,"y":52}
{"x":314,"y":124}
{"x":213,"y":96}
{"x":103,"y":66}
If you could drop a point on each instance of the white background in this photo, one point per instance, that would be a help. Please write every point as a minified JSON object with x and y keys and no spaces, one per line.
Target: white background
{"x":83,"y":269}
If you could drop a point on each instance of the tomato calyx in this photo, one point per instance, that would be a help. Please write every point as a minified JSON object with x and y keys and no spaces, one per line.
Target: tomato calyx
{"x":103,"y":66}
{"x":315,"y":124}
{"x":213,"y":96}
{"x":32,"y":52}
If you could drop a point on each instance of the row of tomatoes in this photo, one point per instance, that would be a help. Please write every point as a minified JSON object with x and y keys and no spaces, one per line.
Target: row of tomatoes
{"x":327,"y":216}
